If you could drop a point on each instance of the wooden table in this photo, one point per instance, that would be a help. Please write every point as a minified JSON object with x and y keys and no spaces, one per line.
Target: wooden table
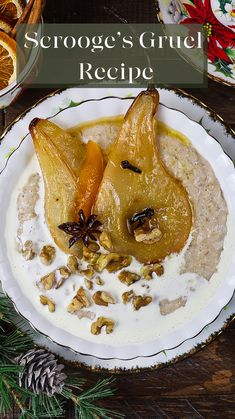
{"x":202,"y":386}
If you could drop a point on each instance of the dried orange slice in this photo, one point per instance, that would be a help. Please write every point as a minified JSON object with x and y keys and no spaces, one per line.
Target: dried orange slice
{"x":5,"y":24}
{"x":7,"y":60}
{"x":11,"y":9}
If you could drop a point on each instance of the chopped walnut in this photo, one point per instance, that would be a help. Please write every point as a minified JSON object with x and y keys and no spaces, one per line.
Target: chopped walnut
{"x":105,"y":241}
{"x":99,"y":280}
{"x":73,"y":264}
{"x":123,"y":262}
{"x":81,"y":300}
{"x":103,"y":298}
{"x":113,"y":262}
{"x":48,"y":281}
{"x":63,"y":274}
{"x":45,"y":301}
{"x":127,"y":296}
{"x":128,"y":277}
{"x":47,"y":254}
{"x":90,"y":256}
{"x":85,"y":314}
{"x":138,"y":301}
{"x":104,"y":260}
{"x":28,"y":251}
{"x":148,"y":236}
{"x":88,"y":273}
{"x":148,"y":270}
{"x":93,"y":247}
{"x":88,"y":284}
{"x":102,"y":322}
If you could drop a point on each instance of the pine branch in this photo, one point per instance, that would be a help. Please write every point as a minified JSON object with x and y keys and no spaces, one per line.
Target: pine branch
{"x":14,"y":342}
{"x":31,"y":405}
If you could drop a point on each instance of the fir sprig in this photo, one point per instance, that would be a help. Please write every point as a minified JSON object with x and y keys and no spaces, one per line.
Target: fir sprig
{"x":84,"y":403}
{"x":14,"y":342}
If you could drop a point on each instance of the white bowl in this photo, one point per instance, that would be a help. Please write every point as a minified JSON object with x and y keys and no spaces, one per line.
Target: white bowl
{"x":98,"y":104}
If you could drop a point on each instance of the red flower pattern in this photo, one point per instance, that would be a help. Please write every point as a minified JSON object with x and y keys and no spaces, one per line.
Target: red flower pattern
{"x":219,"y":37}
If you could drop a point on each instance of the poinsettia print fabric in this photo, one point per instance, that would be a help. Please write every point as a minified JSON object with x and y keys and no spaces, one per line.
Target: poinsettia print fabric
{"x":218,"y":20}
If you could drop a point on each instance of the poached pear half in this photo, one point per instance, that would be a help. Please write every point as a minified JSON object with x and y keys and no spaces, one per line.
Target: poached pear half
{"x":61,"y":157}
{"x":124,"y":192}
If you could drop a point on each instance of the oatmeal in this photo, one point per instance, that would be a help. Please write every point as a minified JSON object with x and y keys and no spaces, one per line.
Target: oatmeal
{"x":106,"y":297}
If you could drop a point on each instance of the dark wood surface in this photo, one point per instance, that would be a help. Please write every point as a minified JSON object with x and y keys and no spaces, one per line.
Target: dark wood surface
{"x":202,"y":386}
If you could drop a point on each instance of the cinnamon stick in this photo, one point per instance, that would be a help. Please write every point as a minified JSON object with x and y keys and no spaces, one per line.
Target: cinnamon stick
{"x":23,"y":18}
{"x":36,"y":12}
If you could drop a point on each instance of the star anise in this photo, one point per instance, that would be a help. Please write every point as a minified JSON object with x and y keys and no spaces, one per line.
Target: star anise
{"x":83,"y":230}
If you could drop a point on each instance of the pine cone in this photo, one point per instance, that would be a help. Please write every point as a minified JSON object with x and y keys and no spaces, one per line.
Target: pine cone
{"x":41,"y":372}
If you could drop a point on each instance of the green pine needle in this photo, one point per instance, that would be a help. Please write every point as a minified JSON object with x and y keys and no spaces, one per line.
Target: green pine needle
{"x":5,"y":307}
{"x":14,"y":343}
{"x":90,"y":411}
{"x":10,"y":369}
{"x":43,"y":406}
{"x":100,"y":390}
{"x":75,"y":382}
{"x":85,"y":409}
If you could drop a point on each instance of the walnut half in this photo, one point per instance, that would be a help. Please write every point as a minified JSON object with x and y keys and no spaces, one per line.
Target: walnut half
{"x":103,"y":298}
{"x":81,"y":300}
{"x":102,"y":322}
